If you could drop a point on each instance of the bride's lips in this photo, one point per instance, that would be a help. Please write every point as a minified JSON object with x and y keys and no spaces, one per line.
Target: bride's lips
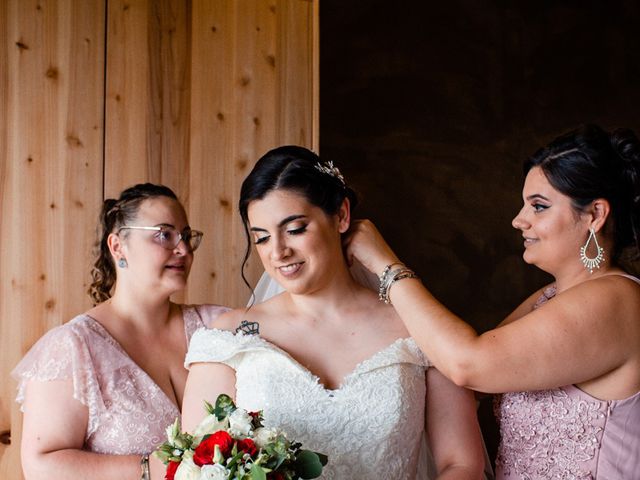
{"x":529,"y":241}
{"x":290,"y":269}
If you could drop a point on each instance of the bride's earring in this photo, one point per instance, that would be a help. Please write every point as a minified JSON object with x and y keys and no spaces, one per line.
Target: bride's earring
{"x":591,"y":263}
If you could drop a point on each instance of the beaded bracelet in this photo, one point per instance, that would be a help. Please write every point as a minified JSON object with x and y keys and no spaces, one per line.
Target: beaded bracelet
{"x":144,"y":465}
{"x":389,"y":277}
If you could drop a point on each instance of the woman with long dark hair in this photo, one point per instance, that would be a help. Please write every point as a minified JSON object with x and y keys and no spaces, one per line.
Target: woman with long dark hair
{"x":568,"y":358}
{"x":325,"y":360}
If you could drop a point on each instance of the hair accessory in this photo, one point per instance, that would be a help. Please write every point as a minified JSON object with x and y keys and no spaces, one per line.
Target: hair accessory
{"x":389,"y":276}
{"x":122,"y":263}
{"x":591,"y":263}
{"x":144,"y":466}
{"x":330,"y":169}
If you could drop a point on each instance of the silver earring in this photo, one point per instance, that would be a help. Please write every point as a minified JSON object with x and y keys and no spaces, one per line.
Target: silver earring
{"x":122,"y":263}
{"x":591,"y":263}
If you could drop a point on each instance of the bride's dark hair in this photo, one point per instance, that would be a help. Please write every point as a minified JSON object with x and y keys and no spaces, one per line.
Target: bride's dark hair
{"x":296,"y":169}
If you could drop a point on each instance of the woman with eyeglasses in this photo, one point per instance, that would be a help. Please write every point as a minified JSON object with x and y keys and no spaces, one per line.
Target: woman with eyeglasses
{"x":98,"y":392}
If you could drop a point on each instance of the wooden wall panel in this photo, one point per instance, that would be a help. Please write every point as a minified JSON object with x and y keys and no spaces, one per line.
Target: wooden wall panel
{"x":196,"y":92}
{"x":147,"y":93}
{"x":254,"y":77}
{"x":51,"y":181}
{"x":96,"y":95}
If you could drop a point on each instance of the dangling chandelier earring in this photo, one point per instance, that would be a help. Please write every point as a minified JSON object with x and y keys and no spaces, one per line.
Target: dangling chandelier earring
{"x":591,"y":263}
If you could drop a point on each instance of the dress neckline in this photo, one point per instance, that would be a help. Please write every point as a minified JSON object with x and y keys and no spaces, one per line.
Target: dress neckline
{"x":315,"y":378}
{"x":102,"y":330}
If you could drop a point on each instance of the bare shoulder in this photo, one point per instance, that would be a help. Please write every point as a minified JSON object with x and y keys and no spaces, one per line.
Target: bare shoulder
{"x":384,"y":317}
{"x":617,"y":293}
{"x":230,"y":320}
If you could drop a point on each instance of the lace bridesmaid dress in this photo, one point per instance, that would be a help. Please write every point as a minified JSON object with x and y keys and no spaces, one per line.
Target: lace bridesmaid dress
{"x":128,"y":412}
{"x":564,"y":433}
{"x":370,"y":427}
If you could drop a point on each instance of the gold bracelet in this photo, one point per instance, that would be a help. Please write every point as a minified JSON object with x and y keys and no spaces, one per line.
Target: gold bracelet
{"x":144,"y":466}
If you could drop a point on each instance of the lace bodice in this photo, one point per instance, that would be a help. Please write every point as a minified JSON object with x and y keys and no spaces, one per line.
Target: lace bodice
{"x":128,"y":412}
{"x":370,"y":427}
{"x":564,"y":433}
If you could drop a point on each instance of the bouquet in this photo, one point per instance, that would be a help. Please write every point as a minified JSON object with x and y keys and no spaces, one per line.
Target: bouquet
{"x":232,"y":444}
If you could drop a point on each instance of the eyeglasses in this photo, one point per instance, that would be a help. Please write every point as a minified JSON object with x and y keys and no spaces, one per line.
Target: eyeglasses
{"x":169,"y":237}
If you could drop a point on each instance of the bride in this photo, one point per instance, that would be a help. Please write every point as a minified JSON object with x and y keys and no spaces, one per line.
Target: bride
{"x":328,"y":362}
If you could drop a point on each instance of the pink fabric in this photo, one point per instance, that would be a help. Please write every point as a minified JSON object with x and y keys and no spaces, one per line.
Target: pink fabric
{"x":128,"y":412}
{"x":565,"y":433}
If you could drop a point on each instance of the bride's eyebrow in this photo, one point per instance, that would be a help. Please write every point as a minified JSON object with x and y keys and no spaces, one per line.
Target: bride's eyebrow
{"x":290,"y":218}
{"x":282,"y":223}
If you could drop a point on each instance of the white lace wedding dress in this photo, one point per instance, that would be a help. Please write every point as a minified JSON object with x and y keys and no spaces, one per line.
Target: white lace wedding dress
{"x":370,"y":428}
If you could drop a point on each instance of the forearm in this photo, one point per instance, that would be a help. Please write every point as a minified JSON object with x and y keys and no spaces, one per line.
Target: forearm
{"x":73,"y":463}
{"x":449,"y":343}
{"x":460,"y":472}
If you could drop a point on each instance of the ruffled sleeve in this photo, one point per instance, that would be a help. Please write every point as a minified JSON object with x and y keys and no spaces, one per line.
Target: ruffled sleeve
{"x":200,"y":316}
{"x":64,"y":353}
{"x":222,"y":346}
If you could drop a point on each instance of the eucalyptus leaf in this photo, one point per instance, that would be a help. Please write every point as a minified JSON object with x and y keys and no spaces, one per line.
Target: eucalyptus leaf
{"x":308,"y":464}
{"x":257,"y":473}
{"x":224,"y":406}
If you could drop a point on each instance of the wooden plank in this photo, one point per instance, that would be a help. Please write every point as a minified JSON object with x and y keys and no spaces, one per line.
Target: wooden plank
{"x":253,"y":86}
{"x":298,"y":75}
{"x":127,"y":122}
{"x":51,"y":181}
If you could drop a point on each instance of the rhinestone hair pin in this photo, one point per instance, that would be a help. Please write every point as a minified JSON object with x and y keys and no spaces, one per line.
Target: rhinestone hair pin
{"x":330,"y":169}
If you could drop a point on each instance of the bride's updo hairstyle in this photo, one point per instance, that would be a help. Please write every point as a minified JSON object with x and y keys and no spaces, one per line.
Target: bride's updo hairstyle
{"x":116,"y":214}
{"x":590,"y":163}
{"x":299,"y":170}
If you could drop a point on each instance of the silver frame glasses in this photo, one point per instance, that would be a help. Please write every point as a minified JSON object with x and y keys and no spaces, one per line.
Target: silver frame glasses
{"x":195,"y":234}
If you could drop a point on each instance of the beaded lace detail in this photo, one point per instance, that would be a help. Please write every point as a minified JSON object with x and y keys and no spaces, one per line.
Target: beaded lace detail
{"x":549,"y":433}
{"x":370,"y":427}
{"x":128,"y":412}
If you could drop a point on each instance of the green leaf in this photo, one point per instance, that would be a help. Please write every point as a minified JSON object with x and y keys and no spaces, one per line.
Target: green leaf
{"x":323,"y":458}
{"x":257,"y":473}
{"x":208,"y":407}
{"x":308,"y":464}
{"x":224,"y":406}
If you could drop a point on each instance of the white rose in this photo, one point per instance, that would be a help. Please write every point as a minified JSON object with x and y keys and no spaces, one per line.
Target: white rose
{"x":187,"y":470}
{"x":214,"y":472}
{"x":240,"y":423}
{"x":264,"y":435}
{"x":209,"y":424}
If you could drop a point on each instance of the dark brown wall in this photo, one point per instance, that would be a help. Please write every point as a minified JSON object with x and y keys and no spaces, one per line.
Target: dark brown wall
{"x":429,"y":108}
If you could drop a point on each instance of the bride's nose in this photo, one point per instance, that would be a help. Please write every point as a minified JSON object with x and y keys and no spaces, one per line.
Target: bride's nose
{"x":279,"y":249}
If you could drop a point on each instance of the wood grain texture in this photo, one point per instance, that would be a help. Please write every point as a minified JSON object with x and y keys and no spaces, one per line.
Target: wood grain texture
{"x":97,"y":95}
{"x":51,"y":177}
{"x":254,"y":68}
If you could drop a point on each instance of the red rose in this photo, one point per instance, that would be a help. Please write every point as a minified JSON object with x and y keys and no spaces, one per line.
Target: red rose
{"x":171,"y":470}
{"x":203,"y":455}
{"x":275,"y":476}
{"x":247,"y":446}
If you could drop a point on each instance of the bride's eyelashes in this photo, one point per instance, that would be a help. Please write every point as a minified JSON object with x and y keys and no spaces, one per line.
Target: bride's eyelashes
{"x":259,"y":240}
{"x":298,"y":230}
